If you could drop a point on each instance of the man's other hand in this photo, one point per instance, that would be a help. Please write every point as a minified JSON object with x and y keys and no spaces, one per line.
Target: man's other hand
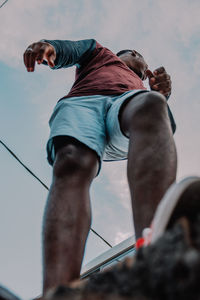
{"x":37,"y":52}
{"x":160,"y":81}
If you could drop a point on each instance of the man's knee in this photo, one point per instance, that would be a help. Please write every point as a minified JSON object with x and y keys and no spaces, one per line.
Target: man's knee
{"x":75,"y":160}
{"x":144,"y":110}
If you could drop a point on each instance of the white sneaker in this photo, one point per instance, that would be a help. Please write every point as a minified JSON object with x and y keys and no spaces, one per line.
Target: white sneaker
{"x":181,"y":199}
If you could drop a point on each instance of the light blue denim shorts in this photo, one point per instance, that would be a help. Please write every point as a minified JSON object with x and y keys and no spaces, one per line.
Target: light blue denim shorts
{"x":92,"y":120}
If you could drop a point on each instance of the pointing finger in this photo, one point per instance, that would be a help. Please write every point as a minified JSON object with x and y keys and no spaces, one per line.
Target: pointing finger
{"x":29,"y":59}
{"x":26,"y":55}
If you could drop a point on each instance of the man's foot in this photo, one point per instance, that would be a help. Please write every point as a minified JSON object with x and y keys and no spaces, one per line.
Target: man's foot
{"x":181,"y":200}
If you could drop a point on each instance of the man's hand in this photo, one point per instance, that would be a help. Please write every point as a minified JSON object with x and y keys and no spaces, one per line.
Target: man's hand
{"x":160,"y":81}
{"x":37,"y":52}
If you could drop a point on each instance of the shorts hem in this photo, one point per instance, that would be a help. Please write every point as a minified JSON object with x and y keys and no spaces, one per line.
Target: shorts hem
{"x":51,"y":150}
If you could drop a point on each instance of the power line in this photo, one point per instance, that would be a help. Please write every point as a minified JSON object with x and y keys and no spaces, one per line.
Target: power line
{"x":44,"y":185}
{"x":15,"y":156}
{"x":101,"y":237}
{"x":3,"y":3}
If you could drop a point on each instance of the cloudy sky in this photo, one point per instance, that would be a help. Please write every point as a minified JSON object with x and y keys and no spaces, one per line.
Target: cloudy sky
{"x":165,"y":32}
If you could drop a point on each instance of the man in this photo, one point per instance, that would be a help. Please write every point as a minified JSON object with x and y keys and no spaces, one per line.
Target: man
{"x":108,"y":114}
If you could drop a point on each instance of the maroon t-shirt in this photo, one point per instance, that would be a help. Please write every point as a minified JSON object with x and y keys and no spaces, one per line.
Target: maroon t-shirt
{"x":99,"y":71}
{"x":103,"y":73}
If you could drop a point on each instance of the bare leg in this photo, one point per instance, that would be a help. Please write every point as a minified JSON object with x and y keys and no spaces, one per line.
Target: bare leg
{"x":152,"y":160}
{"x":67,"y":216}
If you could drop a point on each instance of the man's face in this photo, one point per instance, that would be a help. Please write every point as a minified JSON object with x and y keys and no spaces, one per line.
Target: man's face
{"x":135,"y":62}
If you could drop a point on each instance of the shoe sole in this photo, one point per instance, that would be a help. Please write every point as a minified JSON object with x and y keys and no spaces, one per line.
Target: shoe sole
{"x":181,"y":199}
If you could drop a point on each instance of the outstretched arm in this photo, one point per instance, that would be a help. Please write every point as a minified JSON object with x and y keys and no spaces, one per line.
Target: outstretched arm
{"x":58,"y":54}
{"x":160,"y":81}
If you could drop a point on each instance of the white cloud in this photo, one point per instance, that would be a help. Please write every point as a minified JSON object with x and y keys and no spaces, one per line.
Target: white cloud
{"x":116,"y":174}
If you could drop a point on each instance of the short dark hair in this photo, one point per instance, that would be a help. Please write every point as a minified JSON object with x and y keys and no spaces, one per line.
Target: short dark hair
{"x":123,"y":51}
{"x":127,"y":50}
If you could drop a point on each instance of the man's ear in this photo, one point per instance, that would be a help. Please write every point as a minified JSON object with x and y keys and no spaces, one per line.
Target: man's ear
{"x":134,"y":53}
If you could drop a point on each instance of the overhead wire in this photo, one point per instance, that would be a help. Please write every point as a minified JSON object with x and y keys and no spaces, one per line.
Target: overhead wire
{"x":3,"y":3}
{"x":15,"y":156}
{"x":44,"y":185}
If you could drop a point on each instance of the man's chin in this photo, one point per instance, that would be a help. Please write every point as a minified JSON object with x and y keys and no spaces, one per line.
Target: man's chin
{"x":138,"y":73}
